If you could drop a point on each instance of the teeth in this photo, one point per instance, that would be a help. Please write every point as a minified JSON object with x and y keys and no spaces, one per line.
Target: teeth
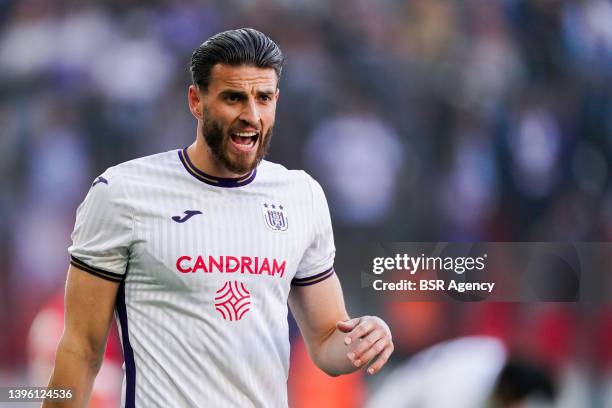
{"x":245,"y":137}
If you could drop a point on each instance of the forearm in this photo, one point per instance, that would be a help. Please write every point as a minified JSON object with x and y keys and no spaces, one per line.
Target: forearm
{"x":75,"y":369}
{"x":331,"y":355}
{"x":336,"y":344}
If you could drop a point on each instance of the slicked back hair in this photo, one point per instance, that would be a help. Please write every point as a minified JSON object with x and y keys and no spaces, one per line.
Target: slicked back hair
{"x":244,"y":46}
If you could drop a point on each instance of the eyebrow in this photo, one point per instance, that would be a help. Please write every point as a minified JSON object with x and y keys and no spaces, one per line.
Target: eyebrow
{"x":241,"y":93}
{"x":232,"y":92}
{"x":265,"y":92}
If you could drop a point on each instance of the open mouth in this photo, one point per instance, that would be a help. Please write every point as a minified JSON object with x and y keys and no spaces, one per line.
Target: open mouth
{"x":244,"y":141}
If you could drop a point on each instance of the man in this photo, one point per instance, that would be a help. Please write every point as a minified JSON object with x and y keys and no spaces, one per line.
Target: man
{"x":199,"y":250}
{"x":467,"y":372}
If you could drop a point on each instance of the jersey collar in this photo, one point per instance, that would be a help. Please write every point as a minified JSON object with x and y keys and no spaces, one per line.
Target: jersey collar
{"x":212,"y":180}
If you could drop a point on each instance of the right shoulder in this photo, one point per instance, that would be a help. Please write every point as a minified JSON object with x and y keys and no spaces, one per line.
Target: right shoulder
{"x":139,"y":169}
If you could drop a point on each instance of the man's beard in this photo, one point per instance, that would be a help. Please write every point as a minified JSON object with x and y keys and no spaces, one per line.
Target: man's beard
{"x":219,"y":146}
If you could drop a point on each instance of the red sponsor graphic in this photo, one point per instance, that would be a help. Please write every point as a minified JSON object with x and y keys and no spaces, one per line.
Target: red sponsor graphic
{"x":233,"y":300}
{"x":231,"y":264}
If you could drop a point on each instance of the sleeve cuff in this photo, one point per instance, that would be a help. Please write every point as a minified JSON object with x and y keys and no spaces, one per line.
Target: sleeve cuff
{"x":311,"y":280}
{"x":110,"y":276}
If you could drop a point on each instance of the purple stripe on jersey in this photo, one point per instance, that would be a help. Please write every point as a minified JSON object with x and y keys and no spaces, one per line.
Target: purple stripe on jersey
{"x":212,"y":180}
{"x":111,"y":276}
{"x":128,"y":353}
{"x":311,"y":280}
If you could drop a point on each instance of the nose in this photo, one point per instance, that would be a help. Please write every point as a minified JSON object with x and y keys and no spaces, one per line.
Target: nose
{"x":250,"y":114}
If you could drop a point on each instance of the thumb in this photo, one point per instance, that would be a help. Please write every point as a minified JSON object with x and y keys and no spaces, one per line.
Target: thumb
{"x":347,"y":325}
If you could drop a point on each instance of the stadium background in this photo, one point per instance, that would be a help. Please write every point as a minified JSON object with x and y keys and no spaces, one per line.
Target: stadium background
{"x":424,"y":120}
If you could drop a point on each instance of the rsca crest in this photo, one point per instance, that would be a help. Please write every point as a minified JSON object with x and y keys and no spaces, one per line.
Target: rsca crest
{"x":275,"y":216}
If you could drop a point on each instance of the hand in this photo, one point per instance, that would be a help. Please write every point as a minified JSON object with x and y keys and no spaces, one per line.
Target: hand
{"x":369,"y":338}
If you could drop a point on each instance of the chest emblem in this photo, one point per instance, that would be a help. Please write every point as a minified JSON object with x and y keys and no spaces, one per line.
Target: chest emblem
{"x":276,"y":217}
{"x":233,"y":300}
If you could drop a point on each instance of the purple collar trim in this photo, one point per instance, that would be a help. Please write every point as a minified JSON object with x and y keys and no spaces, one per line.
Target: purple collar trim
{"x":212,"y":180}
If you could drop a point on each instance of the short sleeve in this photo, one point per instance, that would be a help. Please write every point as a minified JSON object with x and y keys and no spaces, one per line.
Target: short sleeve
{"x":103,"y":230}
{"x":317,"y":263}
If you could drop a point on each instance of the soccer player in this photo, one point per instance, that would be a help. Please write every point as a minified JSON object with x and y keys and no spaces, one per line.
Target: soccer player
{"x":199,"y":251}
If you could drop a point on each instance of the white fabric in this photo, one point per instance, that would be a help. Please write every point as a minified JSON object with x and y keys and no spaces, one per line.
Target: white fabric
{"x":459,"y":373}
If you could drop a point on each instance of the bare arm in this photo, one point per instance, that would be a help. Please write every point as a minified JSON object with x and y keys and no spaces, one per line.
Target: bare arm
{"x":336,"y":344}
{"x":89,"y":308}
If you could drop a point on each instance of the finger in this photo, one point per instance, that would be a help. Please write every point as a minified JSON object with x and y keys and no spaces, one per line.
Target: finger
{"x":362,"y":329}
{"x":347,"y":325}
{"x":366,"y":343}
{"x":370,"y":353}
{"x":381,"y":360}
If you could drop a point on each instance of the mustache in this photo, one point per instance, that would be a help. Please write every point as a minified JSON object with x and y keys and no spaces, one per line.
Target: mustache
{"x":244,"y":129}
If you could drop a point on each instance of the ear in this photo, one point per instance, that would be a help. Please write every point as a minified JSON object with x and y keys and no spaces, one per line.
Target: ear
{"x":277,"y":94}
{"x":194,"y":100}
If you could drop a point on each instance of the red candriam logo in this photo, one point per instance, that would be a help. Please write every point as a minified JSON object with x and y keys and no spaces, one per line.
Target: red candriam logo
{"x":233,"y":300}
{"x":231,"y":264}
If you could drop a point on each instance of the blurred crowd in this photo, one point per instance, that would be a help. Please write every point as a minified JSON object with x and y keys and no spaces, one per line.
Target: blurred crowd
{"x":424,"y":120}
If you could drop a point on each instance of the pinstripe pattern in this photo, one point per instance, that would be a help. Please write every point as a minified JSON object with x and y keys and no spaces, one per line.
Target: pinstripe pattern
{"x":184,"y":352}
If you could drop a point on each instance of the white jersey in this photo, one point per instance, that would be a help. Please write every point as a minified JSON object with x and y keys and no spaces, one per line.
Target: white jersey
{"x":205,"y":266}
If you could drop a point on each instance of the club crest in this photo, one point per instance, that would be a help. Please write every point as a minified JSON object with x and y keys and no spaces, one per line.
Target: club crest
{"x":275,"y":216}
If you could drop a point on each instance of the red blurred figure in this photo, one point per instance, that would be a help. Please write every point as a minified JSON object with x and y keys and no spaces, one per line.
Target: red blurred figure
{"x":43,"y":337}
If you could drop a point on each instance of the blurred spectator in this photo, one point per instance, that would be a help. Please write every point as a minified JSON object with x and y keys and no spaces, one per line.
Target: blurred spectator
{"x":535,"y":147}
{"x":350,"y":152}
{"x":44,"y":335}
{"x":467,"y":372}
{"x":588,"y":34}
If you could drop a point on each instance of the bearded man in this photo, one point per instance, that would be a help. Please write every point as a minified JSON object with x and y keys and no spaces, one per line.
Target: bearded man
{"x":199,"y":251}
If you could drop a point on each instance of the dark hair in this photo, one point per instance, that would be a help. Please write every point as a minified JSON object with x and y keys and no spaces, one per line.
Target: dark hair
{"x":244,"y":46}
{"x":520,"y":380}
